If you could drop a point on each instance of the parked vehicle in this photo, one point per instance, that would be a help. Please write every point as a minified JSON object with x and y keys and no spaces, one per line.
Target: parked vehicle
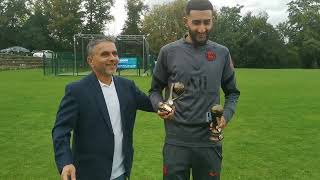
{"x":46,"y":53}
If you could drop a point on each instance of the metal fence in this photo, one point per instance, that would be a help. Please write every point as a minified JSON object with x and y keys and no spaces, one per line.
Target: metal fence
{"x":65,"y":64}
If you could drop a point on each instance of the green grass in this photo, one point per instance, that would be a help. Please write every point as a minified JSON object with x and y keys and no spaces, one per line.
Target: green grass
{"x":274,"y":135}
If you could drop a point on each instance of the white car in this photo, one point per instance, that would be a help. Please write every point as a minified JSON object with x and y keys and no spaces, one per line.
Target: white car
{"x":46,"y":53}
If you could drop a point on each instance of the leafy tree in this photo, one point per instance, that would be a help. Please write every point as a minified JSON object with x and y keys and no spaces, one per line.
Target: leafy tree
{"x":135,"y":9}
{"x":65,"y":21}
{"x":261,"y":44}
{"x":304,"y":30}
{"x":227,"y":30}
{"x":35,"y":33}
{"x":97,"y":15}
{"x":13,"y":14}
{"x":164,"y":23}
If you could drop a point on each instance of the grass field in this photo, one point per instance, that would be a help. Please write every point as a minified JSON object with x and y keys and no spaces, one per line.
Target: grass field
{"x":274,"y":135}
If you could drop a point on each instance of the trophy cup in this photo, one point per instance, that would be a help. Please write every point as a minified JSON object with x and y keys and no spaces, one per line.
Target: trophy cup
{"x":178,"y":89}
{"x":216,"y":111}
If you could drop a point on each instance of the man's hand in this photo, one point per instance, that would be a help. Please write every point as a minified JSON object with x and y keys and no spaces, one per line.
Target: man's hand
{"x":167,"y":115}
{"x":217,"y":131}
{"x":222,"y":123}
{"x":68,"y":171}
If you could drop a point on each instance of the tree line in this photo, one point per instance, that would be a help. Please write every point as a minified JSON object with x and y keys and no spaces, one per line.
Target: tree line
{"x":50,"y":24}
{"x":252,"y":41}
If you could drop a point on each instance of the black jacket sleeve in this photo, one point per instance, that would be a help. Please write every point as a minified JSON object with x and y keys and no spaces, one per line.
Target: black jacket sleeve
{"x":142,"y":100}
{"x":65,"y":122}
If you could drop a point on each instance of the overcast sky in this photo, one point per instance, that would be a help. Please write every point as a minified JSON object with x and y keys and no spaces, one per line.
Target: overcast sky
{"x":276,"y":9}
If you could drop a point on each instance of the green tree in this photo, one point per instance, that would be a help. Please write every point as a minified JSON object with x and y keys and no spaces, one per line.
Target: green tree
{"x":65,"y":21}
{"x":227,"y":30}
{"x":260,"y":44}
{"x":2,"y":23}
{"x":97,"y":15}
{"x":13,"y":14}
{"x":35,"y":33}
{"x":164,"y":23}
{"x":2,"y":7}
{"x":252,"y":41}
{"x":304,"y":30}
{"x":135,"y":9}
{"x":290,"y":53}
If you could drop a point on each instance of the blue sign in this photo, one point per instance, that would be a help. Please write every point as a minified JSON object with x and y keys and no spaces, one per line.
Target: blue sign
{"x":128,"y":63}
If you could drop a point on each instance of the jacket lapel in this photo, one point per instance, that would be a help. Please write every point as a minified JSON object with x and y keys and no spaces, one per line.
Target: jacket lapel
{"x":96,"y":90}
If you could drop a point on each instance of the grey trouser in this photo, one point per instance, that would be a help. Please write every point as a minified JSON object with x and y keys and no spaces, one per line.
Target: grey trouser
{"x":204,"y":162}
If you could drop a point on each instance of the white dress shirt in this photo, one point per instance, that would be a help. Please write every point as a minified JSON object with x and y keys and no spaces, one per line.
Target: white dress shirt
{"x":112,"y":102}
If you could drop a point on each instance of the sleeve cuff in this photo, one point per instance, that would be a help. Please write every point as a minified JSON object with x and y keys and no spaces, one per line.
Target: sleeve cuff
{"x":227,"y":114}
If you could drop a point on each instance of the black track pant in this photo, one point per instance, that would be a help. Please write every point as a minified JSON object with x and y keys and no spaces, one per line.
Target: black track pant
{"x":203,"y":162}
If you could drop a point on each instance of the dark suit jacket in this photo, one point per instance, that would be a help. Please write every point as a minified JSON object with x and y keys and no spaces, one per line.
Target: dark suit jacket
{"x":83,"y":110}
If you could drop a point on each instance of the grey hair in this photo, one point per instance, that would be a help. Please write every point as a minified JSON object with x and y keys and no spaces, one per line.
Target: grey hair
{"x":95,"y":41}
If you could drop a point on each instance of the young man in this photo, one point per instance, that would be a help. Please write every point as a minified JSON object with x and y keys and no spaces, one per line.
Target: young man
{"x":203,"y":67}
{"x":100,"y":109}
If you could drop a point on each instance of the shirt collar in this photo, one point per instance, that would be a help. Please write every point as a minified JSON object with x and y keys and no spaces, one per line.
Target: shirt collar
{"x":106,"y":85}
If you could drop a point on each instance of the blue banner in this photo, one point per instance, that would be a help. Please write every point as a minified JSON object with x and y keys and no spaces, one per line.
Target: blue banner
{"x":128,"y":63}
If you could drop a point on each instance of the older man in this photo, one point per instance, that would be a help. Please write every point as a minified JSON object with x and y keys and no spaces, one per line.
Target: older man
{"x":100,"y":109}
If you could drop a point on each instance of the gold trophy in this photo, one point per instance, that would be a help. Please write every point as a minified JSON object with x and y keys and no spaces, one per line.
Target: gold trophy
{"x":178,"y":89}
{"x":216,"y":111}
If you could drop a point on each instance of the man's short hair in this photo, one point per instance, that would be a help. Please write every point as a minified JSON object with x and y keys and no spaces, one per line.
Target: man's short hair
{"x":95,"y":41}
{"x":200,"y":5}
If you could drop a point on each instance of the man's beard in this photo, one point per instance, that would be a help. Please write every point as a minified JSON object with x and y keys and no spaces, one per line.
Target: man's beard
{"x":103,"y":71}
{"x":196,"y":43}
